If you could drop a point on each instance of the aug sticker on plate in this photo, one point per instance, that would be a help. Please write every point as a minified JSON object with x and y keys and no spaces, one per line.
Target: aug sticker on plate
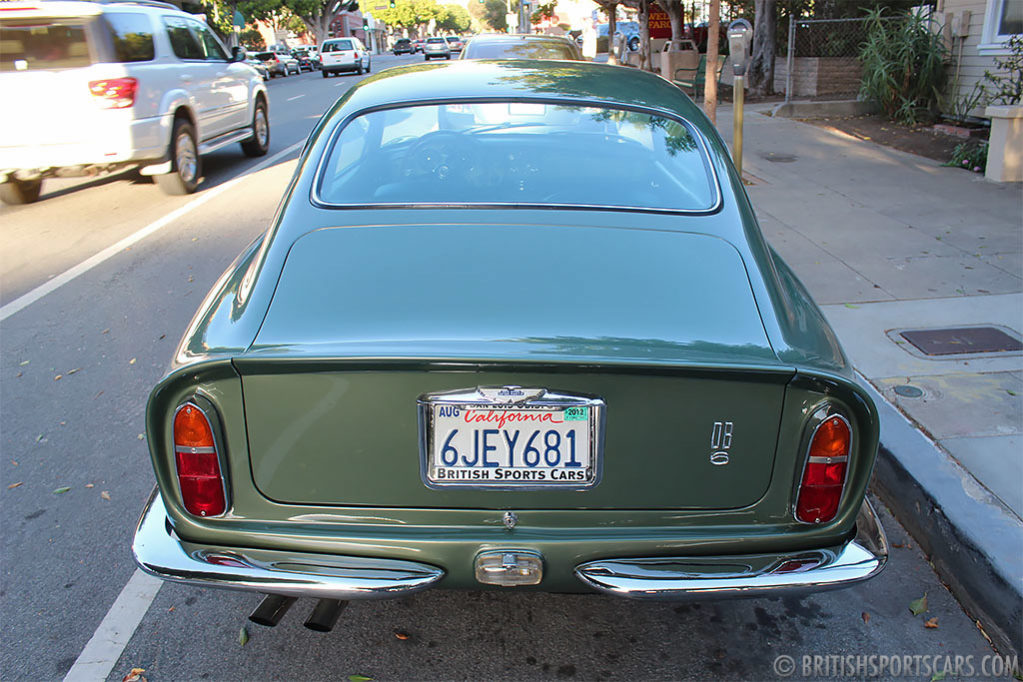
{"x":510,"y":437}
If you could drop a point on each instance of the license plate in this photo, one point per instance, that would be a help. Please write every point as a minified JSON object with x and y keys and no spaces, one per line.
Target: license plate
{"x":510,"y":437}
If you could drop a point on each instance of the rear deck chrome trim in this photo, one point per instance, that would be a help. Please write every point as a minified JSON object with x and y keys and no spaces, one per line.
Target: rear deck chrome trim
{"x":715,"y":577}
{"x":160,"y":553}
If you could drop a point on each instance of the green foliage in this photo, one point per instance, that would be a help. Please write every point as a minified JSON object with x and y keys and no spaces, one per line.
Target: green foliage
{"x":544,"y":11}
{"x":494,"y":15}
{"x":252,"y":38}
{"x":453,"y":19}
{"x":903,"y":66}
{"x":1005,"y":86}
{"x":970,"y":156}
{"x":410,"y":13}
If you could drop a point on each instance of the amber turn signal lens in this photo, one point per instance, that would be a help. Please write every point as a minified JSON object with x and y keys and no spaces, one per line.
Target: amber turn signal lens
{"x":191,"y":429}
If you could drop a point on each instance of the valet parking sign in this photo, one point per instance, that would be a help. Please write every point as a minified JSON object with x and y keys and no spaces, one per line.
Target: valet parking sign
{"x":660,"y":25}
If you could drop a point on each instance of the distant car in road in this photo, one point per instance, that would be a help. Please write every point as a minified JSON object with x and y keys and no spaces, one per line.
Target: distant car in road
{"x":403,"y":46}
{"x":460,"y":358}
{"x":256,"y":63}
{"x":91,"y":87}
{"x":521,"y":46}
{"x":455,"y":43}
{"x":419,"y":44}
{"x":435,"y":48}
{"x":279,"y":63}
{"x":305,"y":62}
{"x":339,"y":55}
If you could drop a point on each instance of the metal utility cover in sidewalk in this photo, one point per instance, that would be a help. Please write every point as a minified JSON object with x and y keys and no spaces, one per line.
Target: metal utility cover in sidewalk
{"x":961,"y":340}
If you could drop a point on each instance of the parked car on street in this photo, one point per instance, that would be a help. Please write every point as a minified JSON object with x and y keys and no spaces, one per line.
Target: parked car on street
{"x":403,"y":46}
{"x":521,"y":46}
{"x":279,"y":63}
{"x":305,"y":62}
{"x":344,"y":54}
{"x":261,"y":68}
{"x":91,"y":87}
{"x":419,"y":44}
{"x":561,"y":378}
{"x":435,"y":48}
{"x":455,"y":43}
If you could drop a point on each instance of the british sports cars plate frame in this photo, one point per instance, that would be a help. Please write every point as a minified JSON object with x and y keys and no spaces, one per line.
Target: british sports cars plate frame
{"x":510,"y":438}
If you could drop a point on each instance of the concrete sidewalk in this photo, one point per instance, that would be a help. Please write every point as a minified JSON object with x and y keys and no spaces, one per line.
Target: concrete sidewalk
{"x":888,"y":241}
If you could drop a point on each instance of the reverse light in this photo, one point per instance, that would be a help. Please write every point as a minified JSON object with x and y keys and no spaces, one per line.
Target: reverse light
{"x":198,"y":463}
{"x":114,"y":93}
{"x":820,"y":489}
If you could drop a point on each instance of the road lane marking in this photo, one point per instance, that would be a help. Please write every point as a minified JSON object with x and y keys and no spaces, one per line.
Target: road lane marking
{"x":106,"y":254}
{"x":104,"y":649}
{"x":295,"y":97}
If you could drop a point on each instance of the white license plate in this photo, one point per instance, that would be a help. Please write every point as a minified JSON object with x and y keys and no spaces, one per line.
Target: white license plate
{"x":511,"y":437}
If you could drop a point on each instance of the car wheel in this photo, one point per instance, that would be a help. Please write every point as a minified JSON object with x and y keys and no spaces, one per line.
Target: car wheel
{"x":358,"y":68}
{"x":369,"y":63}
{"x":448,"y":57}
{"x":426,"y":58}
{"x":259,"y":143}
{"x":634,"y":43}
{"x":325,"y":73}
{"x":15,"y":192}
{"x":185,"y":164}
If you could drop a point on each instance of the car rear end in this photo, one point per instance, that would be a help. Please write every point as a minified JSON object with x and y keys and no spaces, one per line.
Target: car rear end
{"x":455,"y":43}
{"x":340,"y":55}
{"x":436,"y":48}
{"x":77,"y":90}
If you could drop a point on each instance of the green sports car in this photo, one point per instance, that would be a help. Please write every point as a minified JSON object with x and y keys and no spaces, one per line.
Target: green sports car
{"x":514,"y":326}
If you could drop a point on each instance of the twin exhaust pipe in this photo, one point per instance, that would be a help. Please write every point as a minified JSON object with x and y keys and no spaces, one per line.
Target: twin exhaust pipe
{"x":273,"y":607}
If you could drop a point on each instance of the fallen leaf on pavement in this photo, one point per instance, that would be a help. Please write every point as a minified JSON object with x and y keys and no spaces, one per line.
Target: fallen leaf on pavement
{"x":74,"y":371}
{"x":14,"y":485}
{"x":937,"y":677}
{"x":918,"y":606}
{"x":865,"y":616}
{"x":134,"y":676}
{"x":132,"y":361}
{"x":170,"y":609}
{"x":850,"y":305}
{"x":141,"y":437}
{"x":932,"y":623}
{"x":39,"y":437}
{"x":23,"y":363}
{"x":61,"y":491}
{"x":57,"y":378}
{"x":90,"y":485}
{"x":105,"y":331}
{"x":105,"y":495}
{"x":243,"y":636}
{"x":401,"y":635}
{"x":359,"y":678}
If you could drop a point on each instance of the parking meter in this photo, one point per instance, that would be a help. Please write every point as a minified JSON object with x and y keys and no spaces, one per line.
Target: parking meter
{"x":740,"y":35}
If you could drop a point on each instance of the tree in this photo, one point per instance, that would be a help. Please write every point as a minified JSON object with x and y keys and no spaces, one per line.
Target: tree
{"x":495,"y":14}
{"x":252,"y":38}
{"x":675,"y":9}
{"x":761,"y":65}
{"x":544,"y":11}
{"x":453,"y":19}
{"x":710,"y":84}
{"x":409,"y":14}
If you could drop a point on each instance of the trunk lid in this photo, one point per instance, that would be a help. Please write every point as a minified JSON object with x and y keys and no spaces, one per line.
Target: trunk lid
{"x":661,"y":325}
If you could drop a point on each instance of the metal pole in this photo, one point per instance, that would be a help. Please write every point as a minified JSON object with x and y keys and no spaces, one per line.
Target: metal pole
{"x":738,"y":97}
{"x":790,"y":58}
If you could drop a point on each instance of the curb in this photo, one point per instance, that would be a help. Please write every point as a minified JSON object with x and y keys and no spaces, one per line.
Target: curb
{"x":824,"y":109}
{"x":974,"y":543}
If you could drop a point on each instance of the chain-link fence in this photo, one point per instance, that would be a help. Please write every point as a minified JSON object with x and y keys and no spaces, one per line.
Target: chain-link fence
{"x":821,"y":59}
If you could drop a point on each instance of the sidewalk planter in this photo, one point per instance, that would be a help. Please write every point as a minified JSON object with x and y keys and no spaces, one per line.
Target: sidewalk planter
{"x":819,"y":76}
{"x":1005,"y":152}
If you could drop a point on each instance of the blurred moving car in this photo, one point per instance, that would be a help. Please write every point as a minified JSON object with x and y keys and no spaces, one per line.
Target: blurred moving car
{"x":436,"y":47}
{"x":657,"y":410}
{"x":279,"y":63}
{"x":92,"y":87}
{"x":455,"y":43}
{"x":261,"y":68}
{"x":342,"y":55}
{"x":521,"y":46}
{"x":403,"y":46}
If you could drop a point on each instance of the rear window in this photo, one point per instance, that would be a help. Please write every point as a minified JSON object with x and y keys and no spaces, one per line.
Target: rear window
{"x":521,"y":153}
{"x":132,"y":37}
{"x":434,"y":41}
{"x":37,"y":44}
{"x":524,"y":49}
{"x":338,"y":46}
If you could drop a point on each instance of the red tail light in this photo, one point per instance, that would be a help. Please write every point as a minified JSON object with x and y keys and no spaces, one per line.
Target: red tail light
{"x":115,"y":93}
{"x":820,"y":490}
{"x":195,"y":451}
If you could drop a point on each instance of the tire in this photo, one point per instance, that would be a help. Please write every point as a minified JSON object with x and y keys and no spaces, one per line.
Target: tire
{"x":634,"y":43}
{"x":448,"y":57}
{"x":325,"y":73}
{"x":186,"y":167}
{"x":358,"y":69}
{"x":369,"y":63}
{"x":16,"y":192}
{"x":259,"y":143}
{"x":426,"y":58}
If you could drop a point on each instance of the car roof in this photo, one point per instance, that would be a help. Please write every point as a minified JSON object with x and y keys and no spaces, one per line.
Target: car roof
{"x":517,"y":78}
{"x":79,"y":8}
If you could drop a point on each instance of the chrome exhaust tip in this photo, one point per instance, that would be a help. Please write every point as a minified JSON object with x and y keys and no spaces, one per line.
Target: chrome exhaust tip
{"x":325,"y":615}
{"x":271,"y":610}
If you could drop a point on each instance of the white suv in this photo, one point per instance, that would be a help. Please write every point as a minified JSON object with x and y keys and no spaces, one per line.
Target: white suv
{"x":343,"y":54}
{"x":95,"y":87}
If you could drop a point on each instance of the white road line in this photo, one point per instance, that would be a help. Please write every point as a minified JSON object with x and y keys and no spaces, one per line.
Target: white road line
{"x":101,"y":653}
{"x":68,"y":275}
{"x":295,"y":97}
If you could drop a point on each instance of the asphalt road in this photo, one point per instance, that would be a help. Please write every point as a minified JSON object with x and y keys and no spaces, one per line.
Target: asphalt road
{"x":75,"y":370}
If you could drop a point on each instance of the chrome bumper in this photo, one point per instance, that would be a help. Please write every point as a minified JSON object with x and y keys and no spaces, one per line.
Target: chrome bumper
{"x":745,"y":576}
{"x":159,"y":552}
